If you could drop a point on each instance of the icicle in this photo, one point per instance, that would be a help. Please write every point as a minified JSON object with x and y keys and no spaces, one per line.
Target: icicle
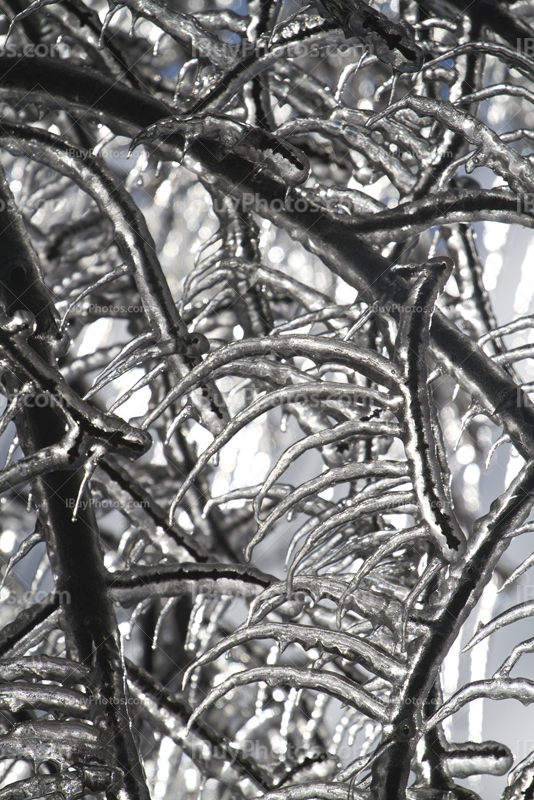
{"x":137,"y":551}
{"x":137,"y":612}
{"x":471,"y":412}
{"x":187,"y":412}
{"x":24,"y":548}
{"x":155,"y":49}
{"x":367,"y":314}
{"x":163,"y":613}
{"x":503,"y":438}
{"x":289,"y":707}
{"x":347,"y":72}
{"x":103,"y":142}
{"x":197,"y":616}
{"x":193,"y":62}
{"x":117,"y":272}
{"x":40,"y":572}
{"x":11,"y":452}
{"x":99,"y":451}
{"x":135,"y":18}
{"x":217,"y":612}
{"x":113,"y":7}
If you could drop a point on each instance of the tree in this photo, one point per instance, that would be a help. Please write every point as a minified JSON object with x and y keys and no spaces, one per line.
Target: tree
{"x":246,"y":322}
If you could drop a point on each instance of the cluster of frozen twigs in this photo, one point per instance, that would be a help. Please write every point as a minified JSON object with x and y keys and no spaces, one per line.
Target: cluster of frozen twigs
{"x":245,"y":321}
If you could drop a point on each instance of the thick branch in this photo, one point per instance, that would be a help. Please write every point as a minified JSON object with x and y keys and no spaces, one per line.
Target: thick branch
{"x":73,"y":544}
